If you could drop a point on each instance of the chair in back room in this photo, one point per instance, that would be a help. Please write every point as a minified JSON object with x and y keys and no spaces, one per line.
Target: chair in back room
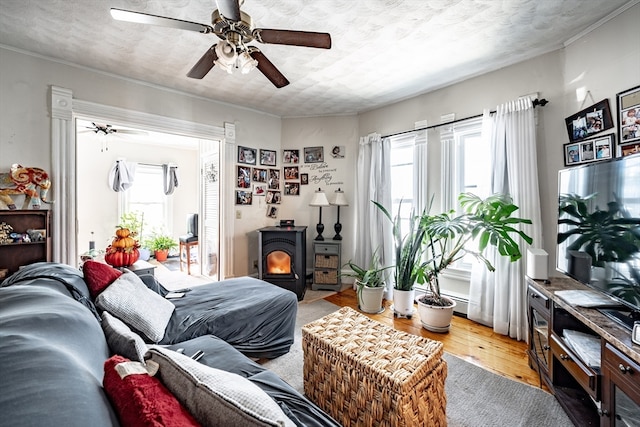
{"x":189,"y":240}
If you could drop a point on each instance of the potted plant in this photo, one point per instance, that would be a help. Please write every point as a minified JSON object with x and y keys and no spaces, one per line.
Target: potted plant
{"x":409,"y":264}
{"x":370,"y":284}
{"x":487,"y":222}
{"x":445,"y":238}
{"x":160,"y":245}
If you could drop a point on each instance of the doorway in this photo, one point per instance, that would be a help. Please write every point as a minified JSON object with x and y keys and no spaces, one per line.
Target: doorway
{"x":99,"y":208}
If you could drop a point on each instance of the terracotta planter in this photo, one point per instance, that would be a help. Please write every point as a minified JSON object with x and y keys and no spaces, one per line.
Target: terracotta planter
{"x":369,"y":299}
{"x":161,"y":255}
{"x":435,"y":318}
{"x":403,"y":303}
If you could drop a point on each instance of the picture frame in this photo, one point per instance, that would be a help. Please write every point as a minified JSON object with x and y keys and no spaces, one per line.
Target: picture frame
{"x":272,"y":211}
{"x":589,"y":122}
{"x":259,"y":175}
{"x":259,"y":190}
{"x":291,"y":173}
{"x":338,"y":151}
{"x":290,"y":156}
{"x":628,"y":106}
{"x":273,"y":182}
{"x":629,"y":149}
{"x":589,"y":150}
{"x":267,"y":157}
{"x":291,"y":189}
{"x":244,"y":197}
{"x":273,"y":197}
{"x":247,"y":155}
{"x":243,"y":177}
{"x":313,"y":154}
{"x":304,"y":179}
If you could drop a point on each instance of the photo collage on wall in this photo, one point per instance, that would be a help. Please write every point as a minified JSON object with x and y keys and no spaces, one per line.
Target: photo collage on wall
{"x":584,"y":129}
{"x":628,"y":103}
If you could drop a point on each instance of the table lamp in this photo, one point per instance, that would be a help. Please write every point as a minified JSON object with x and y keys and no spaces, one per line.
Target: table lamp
{"x":340,"y":200}
{"x":319,"y":200}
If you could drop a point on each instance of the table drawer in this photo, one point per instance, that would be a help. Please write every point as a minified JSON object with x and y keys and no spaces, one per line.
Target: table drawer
{"x":584,"y":375}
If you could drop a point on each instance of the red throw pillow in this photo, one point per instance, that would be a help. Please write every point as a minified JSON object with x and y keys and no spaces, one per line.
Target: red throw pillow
{"x":99,"y":276}
{"x":142,"y":400}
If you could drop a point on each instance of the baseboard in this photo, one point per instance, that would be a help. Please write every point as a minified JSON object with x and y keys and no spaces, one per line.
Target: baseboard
{"x":462,"y":303}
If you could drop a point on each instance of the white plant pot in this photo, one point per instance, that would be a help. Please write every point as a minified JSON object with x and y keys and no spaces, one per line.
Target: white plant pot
{"x":403,"y":302}
{"x":370,"y":299}
{"x":435,"y":318}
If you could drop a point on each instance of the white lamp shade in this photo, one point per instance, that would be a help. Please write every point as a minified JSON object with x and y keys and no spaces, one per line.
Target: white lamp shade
{"x":319,"y":199}
{"x":340,"y":199}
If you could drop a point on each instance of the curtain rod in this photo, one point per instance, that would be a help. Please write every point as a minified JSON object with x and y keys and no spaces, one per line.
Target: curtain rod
{"x":541,"y":102}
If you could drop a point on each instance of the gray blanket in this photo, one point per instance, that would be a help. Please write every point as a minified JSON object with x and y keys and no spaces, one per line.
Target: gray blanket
{"x":255,"y":317}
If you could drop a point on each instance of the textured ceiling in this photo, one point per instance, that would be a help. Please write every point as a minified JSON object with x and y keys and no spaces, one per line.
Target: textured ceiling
{"x":383,"y":50}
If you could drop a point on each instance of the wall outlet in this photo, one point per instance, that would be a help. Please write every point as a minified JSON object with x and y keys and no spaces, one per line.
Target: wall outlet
{"x":238,"y":214}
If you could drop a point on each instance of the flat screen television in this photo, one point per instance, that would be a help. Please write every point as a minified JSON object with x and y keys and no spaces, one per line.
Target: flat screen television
{"x":599,"y":231}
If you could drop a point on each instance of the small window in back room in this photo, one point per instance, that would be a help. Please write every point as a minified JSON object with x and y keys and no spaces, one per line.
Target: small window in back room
{"x":146,"y":196}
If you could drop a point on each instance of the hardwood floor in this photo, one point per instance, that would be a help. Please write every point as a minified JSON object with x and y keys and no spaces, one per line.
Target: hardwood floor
{"x":468,"y":340}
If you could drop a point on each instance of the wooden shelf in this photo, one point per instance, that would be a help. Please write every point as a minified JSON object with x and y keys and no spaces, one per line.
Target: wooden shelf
{"x":15,"y":255}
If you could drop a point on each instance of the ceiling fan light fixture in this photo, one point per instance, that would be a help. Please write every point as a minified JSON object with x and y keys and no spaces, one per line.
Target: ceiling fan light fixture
{"x":227,"y":56}
{"x":245,"y":62}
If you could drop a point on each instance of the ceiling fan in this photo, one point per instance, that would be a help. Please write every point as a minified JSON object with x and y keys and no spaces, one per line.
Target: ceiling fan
{"x":235,"y":28}
{"x":105,"y":130}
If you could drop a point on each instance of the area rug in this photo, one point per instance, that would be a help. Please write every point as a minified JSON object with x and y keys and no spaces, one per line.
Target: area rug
{"x":475,"y":396}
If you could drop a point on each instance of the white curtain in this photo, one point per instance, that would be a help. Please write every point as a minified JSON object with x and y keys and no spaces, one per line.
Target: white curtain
{"x":373,"y":182}
{"x":499,"y":299}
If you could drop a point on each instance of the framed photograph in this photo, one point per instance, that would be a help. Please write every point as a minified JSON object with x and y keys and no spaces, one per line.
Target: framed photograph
{"x":243,"y":197}
{"x":338,"y":151}
{"x":273,"y":197}
{"x":244,"y":177}
{"x":259,"y":175}
{"x":589,"y":121}
{"x":267,"y":157}
{"x":629,"y":149}
{"x":274,"y":179}
{"x":259,"y":189}
{"x":272,"y":211}
{"x":246,"y":155}
{"x":313,"y":154}
{"x":291,"y":172}
{"x":291,"y":189}
{"x":290,"y":156}
{"x":589,"y":150}
{"x":304,"y":179}
{"x":629,"y":116}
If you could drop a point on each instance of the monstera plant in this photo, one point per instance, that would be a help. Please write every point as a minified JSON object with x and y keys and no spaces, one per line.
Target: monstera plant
{"x":607,"y":235}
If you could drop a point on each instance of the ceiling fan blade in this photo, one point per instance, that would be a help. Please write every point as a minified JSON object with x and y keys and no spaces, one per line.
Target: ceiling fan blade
{"x":268,"y":69}
{"x":204,"y":64}
{"x":145,"y":18}
{"x":230,"y":9}
{"x":293,"y":38}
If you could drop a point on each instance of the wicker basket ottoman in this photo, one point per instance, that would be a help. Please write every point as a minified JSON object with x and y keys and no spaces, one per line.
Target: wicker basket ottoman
{"x":364,"y":373}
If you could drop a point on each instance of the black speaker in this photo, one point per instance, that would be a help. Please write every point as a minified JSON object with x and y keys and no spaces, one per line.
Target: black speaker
{"x":580,"y":266}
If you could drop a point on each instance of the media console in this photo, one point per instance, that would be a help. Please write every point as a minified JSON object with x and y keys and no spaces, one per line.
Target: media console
{"x":586,"y":359}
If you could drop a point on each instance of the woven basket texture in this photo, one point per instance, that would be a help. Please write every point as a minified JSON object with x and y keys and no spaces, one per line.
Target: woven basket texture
{"x":364,"y":373}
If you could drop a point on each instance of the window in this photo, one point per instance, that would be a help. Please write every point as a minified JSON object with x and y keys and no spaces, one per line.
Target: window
{"x":146,"y":195}
{"x":466,"y":167}
{"x":402,"y":177}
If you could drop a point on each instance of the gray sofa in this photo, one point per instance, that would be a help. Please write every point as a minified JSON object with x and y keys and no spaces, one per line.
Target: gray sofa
{"x":53,"y":349}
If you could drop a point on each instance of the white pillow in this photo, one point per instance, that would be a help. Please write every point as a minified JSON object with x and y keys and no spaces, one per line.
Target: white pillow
{"x":129,"y":299}
{"x":215,"y":397}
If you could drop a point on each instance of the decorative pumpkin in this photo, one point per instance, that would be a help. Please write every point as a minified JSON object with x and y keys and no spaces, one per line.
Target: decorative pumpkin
{"x":119,"y":257}
{"x":123,"y":232}
{"x":124,"y":242}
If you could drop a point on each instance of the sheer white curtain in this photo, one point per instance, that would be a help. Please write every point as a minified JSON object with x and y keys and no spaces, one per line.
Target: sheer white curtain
{"x":373,"y":182}
{"x":499,"y":299}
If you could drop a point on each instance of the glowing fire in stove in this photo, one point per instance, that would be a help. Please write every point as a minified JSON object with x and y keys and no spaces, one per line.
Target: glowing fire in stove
{"x":278,"y":262}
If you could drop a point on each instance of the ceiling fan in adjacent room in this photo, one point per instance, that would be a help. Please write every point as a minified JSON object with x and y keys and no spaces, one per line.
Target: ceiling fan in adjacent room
{"x":235,"y":29}
{"x":105,"y":130}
